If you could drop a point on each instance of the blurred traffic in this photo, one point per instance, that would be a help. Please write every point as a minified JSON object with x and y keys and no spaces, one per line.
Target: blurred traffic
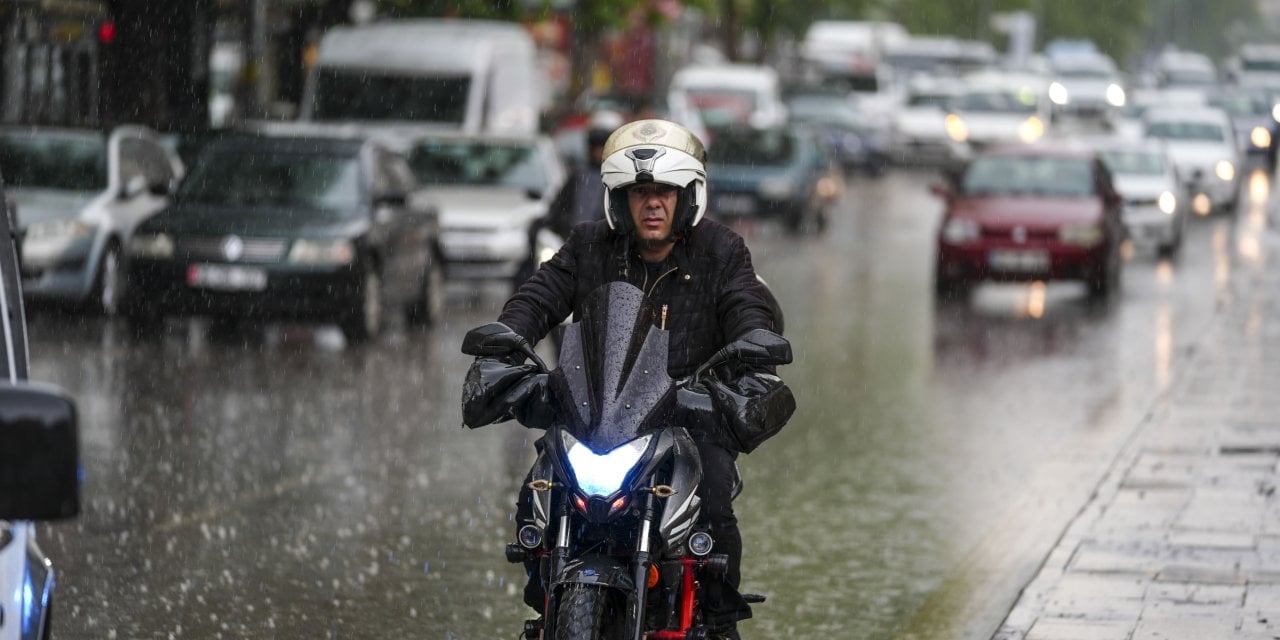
{"x":376,"y":170}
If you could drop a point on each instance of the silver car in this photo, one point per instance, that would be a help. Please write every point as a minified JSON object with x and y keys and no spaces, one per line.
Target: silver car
{"x":79,"y":194}
{"x":1202,"y":144}
{"x":1155,"y":209}
{"x":494,"y":194}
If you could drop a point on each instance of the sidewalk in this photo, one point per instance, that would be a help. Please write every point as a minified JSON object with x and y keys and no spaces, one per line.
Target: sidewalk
{"x":1182,"y":539}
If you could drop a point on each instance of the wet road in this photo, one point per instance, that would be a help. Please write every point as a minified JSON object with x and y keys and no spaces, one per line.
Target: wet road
{"x":276,"y":484}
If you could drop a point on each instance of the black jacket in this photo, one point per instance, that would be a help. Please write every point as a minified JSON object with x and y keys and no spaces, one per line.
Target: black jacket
{"x":707,"y":283}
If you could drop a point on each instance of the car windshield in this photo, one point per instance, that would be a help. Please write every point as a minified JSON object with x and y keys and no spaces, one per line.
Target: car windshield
{"x":1146,"y":163}
{"x":250,"y":178}
{"x":472,"y":162}
{"x":1187,"y":131}
{"x":342,"y":95}
{"x":996,"y":102}
{"x":753,"y":148}
{"x":823,"y":111}
{"x":1029,"y":176}
{"x":723,"y":106}
{"x":1242,"y":105}
{"x":71,"y":163}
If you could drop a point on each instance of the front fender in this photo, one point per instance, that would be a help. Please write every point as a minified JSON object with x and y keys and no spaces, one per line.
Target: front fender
{"x":599,"y":571}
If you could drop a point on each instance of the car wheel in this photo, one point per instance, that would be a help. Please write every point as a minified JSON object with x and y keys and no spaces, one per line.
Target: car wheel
{"x":428,"y":308}
{"x":1105,"y":284}
{"x":109,"y":285}
{"x":950,"y":290}
{"x":364,"y":322}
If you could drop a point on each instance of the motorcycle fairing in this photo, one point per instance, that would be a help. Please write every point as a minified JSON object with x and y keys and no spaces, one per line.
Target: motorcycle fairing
{"x":680,"y":511}
{"x":608,"y":395}
{"x":543,"y":469}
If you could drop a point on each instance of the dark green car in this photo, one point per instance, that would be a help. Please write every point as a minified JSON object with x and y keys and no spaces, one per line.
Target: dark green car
{"x":290,"y":228}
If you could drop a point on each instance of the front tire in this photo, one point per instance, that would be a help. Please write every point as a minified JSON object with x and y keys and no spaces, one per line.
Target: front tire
{"x":590,"y":613}
{"x":109,"y":285}
{"x":364,"y":323}
{"x":428,"y":309}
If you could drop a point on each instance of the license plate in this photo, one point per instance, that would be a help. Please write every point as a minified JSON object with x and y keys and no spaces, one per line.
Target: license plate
{"x":1020,"y":261}
{"x":732,"y":203}
{"x":226,"y":277}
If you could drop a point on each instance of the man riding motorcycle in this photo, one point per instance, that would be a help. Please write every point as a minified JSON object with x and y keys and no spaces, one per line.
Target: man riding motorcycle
{"x":698,"y":273}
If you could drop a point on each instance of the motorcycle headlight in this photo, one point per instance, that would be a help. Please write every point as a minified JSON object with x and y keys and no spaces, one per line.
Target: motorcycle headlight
{"x":776,"y":188}
{"x":602,"y":474}
{"x":1058,"y":94}
{"x":1115,"y":95}
{"x":151,"y":245}
{"x":58,"y":230}
{"x":1085,"y":235}
{"x":960,"y":231}
{"x":1225,"y":170}
{"x":324,"y":251}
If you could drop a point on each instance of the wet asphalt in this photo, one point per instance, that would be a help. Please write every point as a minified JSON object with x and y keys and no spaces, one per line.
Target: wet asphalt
{"x":272,"y":482}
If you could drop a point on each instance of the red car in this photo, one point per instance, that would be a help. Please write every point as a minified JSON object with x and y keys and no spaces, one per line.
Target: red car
{"x":1030,"y":213}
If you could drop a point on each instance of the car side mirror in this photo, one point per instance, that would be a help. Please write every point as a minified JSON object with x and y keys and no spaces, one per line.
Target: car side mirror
{"x":533,"y":193}
{"x":39,"y":453}
{"x":133,"y":186}
{"x":162,"y":187}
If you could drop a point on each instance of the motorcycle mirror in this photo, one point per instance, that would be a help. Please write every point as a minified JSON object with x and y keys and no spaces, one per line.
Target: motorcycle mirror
{"x":758,"y":346}
{"x":493,"y":339}
{"x":761,"y":346}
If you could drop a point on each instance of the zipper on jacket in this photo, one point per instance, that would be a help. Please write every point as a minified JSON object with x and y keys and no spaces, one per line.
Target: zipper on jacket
{"x":650,"y":291}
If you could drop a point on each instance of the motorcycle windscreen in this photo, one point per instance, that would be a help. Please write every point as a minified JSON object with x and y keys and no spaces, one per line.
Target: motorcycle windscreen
{"x":612,"y":383}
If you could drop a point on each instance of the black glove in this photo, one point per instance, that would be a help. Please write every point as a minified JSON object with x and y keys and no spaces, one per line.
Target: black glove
{"x":751,"y":408}
{"x":501,"y":388}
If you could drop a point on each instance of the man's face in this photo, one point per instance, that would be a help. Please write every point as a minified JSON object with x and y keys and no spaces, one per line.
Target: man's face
{"x":652,"y":210}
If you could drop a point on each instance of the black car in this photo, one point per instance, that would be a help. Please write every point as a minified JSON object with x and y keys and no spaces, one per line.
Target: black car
{"x":290,"y":228}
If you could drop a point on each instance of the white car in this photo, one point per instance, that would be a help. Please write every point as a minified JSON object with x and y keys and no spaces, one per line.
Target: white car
{"x":39,"y":465}
{"x":495,"y":195}
{"x":919,"y":133}
{"x":1087,"y":86}
{"x":728,"y":94}
{"x":999,"y":109}
{"x":1154,"y":212}
{"x":80,"y":194}
{"x":1203,"y":147}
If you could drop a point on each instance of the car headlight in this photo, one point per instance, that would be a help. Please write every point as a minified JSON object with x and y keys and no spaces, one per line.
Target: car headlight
{"x":1167,"y":202}
{"x":151,"y":245}
{"x":1225,"y":170}
{"x":1115,"y":95}
{"x":327,"y":251}
{"x":1030,"y":130}
{"x":1275,"y":112}
{"x":1058,"y":94}
{"x":602,"y":474}
{"x":67,"y":230}
{"x":1085,"y":235}
{"x":960,"y":231}
{"x":776,"y":188}
{"x":1260,"y":137}
{"x":956,"y":128}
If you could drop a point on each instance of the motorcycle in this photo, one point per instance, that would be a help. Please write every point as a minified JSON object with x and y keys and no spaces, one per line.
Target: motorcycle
{"x":613,"y":527}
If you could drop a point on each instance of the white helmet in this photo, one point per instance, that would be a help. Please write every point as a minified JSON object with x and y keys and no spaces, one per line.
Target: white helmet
{"x":654,"y":151}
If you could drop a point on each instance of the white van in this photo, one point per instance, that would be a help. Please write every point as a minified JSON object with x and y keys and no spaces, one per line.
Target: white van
{"x":726,"y":94}
{"x":468,"y":75}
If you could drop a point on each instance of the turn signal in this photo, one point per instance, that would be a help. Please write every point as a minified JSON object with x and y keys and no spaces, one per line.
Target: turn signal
{"x":653,"y":576}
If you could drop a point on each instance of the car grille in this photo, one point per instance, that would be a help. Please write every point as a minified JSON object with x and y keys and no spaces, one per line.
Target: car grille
{"x":255,"y":249}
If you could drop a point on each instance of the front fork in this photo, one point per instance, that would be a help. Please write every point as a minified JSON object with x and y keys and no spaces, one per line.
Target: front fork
{"x":642,"y":566}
